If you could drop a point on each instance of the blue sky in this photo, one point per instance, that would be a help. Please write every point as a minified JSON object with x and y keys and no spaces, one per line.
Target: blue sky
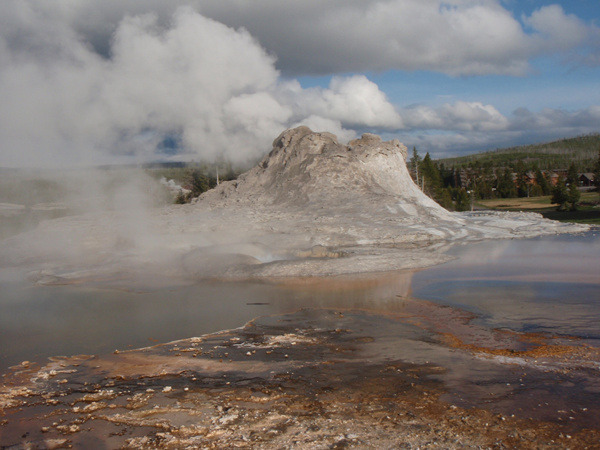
{"x":586,"y":9}
{"x":555,"y":80}
{"x":90,"y":81}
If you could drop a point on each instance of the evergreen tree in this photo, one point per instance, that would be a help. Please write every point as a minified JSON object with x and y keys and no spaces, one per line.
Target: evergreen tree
{"x":506,"y":186}
{"x":446,"y":199}
{"x":573,"y":196}
{"x":431,"y":176}
{"x":199,"y":183}
{"x":415,"y":162}
{"x":458,"y":181}
{"x":522,"y":180}
{"x":560,"y":195}
{"x":484,"y":190}
{"x":447,"y":176}
{"x":463,"y":200}
{"x":181,"y":198}
{"x":572,"y":177}
{"x":485,"y":187}
{"x":542,"y":182}
{"x":597,"y":174}
{"x":536,"y":191}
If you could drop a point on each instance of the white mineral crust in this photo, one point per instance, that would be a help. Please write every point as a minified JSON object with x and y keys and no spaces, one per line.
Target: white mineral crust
{"x":311,"y":207}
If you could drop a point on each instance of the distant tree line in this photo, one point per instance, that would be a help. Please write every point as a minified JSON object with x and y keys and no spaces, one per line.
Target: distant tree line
{"x":581,"y":150}
{"x":194,"y":178}
{"x":200,"y":180}
{"x":456,"y":188}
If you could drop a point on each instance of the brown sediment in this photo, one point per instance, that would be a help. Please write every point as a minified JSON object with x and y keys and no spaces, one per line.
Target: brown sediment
{"x":308,"y":378}
{"x":334,"y":405}
{"x":545,"y":347}
{"x":455,"y":328}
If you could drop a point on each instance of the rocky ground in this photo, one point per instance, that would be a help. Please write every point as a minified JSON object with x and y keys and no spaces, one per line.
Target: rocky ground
{"x":423,"y":377}
{"x":311,"y":379}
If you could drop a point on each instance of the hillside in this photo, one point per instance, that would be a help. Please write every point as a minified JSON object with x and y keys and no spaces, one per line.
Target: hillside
{"x":583,"y":150}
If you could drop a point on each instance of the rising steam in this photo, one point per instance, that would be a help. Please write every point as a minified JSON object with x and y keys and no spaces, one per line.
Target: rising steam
{"x":188,"y":88}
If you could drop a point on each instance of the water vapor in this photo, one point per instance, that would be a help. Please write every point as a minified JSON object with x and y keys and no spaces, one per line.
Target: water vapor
{"x":210,"y":89}
{"x":85,"y":82}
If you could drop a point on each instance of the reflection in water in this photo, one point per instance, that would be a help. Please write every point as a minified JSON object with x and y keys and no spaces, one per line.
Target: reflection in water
{"x":561,"y":258}
{"x":559,"y":308}
{"x":549,"y":284}
{"x":463,"y":327}
{"x":41,"y":321}
{"x":503,"y":282}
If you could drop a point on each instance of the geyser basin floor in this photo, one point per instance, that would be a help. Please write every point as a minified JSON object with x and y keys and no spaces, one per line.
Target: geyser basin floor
{"x":318,"y":377}
{"x":365,"y":365}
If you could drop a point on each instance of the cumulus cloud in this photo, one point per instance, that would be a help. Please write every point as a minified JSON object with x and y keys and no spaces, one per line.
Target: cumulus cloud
{"x":84,"y":81}
{"x":458,"y":37}
{"x":462,"y":128}
{"x":556,"y":30}
{"x":211,"y":88}
{"x":583,"y":120}
{"x":353,"y":101}
{"x":463,"y":116}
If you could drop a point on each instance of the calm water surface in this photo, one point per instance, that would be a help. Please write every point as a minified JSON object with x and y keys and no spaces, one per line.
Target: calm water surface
{"x":547,"y":284}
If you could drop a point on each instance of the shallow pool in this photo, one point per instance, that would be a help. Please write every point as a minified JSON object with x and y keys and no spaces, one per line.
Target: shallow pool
{"x":549,"y":284}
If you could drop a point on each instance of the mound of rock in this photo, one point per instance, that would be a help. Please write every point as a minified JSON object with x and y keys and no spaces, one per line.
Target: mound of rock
{"x":311,"y":207}
{"x":313,"y":171}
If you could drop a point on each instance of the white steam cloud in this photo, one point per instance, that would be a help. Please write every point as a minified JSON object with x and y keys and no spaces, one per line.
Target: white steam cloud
{"x":211,"y":90}
{"x":85,"y":82}
{"x":459,"y":37}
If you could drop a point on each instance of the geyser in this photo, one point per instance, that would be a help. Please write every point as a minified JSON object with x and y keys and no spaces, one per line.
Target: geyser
{"x":355,"y":204}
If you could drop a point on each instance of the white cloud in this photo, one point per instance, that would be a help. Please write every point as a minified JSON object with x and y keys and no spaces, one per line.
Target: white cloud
{"x":353,"y":101}
{"x":84,"y":81}
{"x":474,"y":120}
{"x":212,"y":87}
{"x":463,"y":116}
{"x":557,"y":30}
{"x":448,"y":138}
{"x":457,"y":37}
{"x":585,"y":120}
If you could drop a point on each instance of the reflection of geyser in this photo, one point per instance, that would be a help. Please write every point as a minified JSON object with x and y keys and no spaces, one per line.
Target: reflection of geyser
{"x":219,"y":260}
{"x":378,"y":292}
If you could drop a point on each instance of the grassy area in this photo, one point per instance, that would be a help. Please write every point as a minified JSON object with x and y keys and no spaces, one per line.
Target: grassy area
{"x":587,"y":212}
